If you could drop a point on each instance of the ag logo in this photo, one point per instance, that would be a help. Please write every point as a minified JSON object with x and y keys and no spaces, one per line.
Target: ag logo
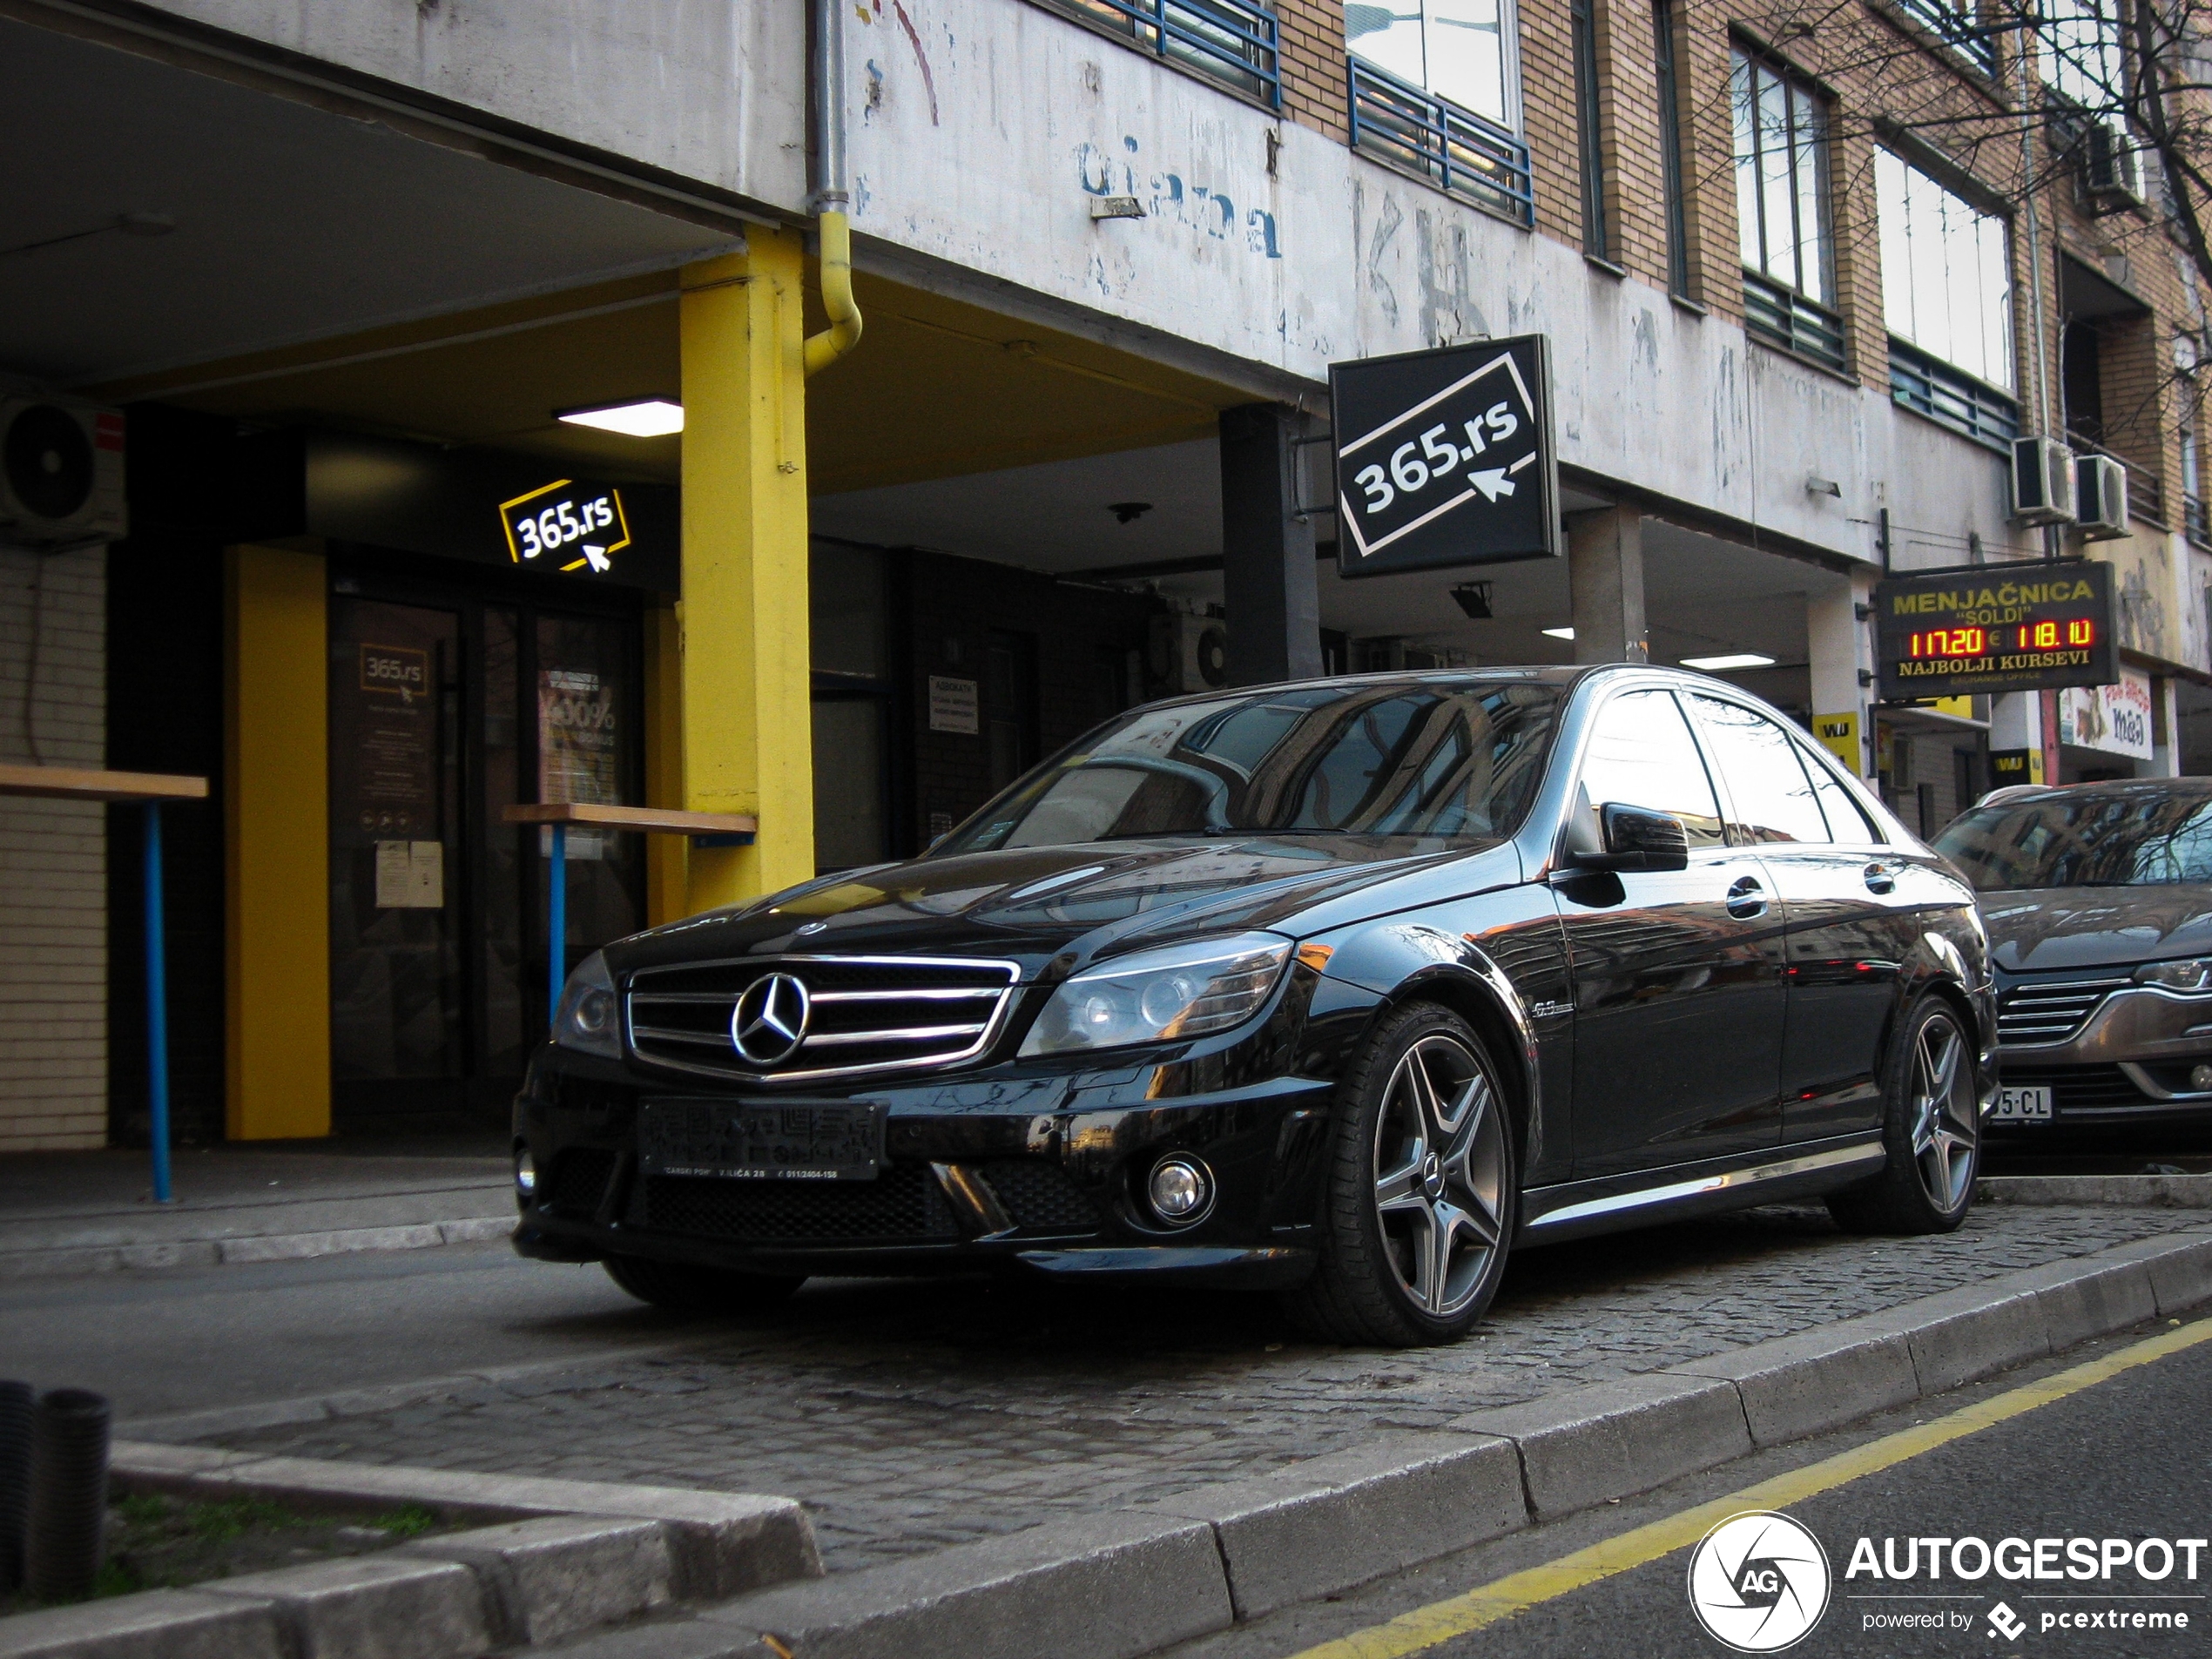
{"x":1758,"y":1581}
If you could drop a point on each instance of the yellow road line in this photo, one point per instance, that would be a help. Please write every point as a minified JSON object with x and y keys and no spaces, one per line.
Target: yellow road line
{"x":1426,"y":1626}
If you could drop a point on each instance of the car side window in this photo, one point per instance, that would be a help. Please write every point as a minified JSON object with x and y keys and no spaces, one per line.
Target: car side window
{"x":1641,"y":754}
{"x":1767,"y":784}
{"x":1847,"y":821}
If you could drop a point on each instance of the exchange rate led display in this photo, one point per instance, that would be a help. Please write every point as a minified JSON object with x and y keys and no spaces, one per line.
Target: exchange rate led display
{"x":2021,"y":628}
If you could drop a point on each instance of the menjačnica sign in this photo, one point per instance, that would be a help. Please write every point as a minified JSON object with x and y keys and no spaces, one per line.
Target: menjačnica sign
{"x":2023,"y":628}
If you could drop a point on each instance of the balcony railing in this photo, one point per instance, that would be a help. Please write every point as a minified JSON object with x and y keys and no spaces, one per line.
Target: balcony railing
{"x":1433,"y":138}
{"x":1971,"y":408}
{"x":1785,"y":318}
{"x":1229,"y":41}
{"x":1960,"y":29}
{"x":2146,"y":490}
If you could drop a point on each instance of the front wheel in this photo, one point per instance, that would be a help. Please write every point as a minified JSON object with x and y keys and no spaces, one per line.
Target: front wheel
{"x":1930,"y":1128}
{"x":681,"y":1287}
{"x":1422,"y":1191}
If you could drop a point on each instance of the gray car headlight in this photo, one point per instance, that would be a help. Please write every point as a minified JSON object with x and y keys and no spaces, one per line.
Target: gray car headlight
{"x":2190,"y":974}
{"x":588,"y":1019}
{"x":1151,"y":995}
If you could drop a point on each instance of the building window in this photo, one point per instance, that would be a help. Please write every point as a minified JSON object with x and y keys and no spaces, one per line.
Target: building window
{"x":1955,"y":22}
{"x":1947,"y":298}
{"x":1230,"y":42}
{"x":1588,"y":120}
{"x":1782,"y":211}
{"x":2195,"y":523}
{"x":2078,"y":52}
{"x":1673,"y":171}
{"x":1435,"y":93}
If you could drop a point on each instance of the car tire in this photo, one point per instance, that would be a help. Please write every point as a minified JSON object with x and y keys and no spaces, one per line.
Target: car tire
{"x":1422,"y":1189}
{"x":682,"y":1287}
{"x":1930,"y":1128}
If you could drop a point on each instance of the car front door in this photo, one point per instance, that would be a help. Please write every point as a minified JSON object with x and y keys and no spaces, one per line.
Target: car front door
{"x":1678,"y":989}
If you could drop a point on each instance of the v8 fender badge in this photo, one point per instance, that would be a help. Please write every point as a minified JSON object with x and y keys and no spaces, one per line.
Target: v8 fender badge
{"x":1759,"y":1581}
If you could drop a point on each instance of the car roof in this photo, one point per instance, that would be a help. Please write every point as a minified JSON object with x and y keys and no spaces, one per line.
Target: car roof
{"x":2019,"y":794}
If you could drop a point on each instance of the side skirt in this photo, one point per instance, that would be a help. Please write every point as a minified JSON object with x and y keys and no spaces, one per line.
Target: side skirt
{"x":1578,"y":1209}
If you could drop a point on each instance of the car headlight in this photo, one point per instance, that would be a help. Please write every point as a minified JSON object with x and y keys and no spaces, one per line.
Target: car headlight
{"x":1150,"y":996}
{"x":588,"y":1019}
{"x":2190,"y":974}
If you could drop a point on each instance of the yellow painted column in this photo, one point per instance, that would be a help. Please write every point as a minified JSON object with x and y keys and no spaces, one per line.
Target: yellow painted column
{"x":276,"y":849}
{"x":747,"y":721}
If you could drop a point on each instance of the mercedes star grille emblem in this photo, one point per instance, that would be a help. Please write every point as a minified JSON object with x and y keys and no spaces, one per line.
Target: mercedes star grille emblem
{"x":770,"y":1020}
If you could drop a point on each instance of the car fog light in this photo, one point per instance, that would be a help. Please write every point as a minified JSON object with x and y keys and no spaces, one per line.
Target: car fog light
{"x":1181,"y":1190}
{"x":525,"y":1173}
{"x":2201,"y":1078}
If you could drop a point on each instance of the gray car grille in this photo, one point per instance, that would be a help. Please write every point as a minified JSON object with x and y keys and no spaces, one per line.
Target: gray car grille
{"x":2048,"y":1011}
{"x":867,"y":1015}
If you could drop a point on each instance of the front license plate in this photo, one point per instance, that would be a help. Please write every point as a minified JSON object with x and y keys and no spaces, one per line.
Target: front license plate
{"x":794,"y":1140}
{"x":2030,"y":1104}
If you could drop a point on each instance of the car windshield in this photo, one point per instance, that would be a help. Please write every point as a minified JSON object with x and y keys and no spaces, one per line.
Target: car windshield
{"x":1458,"y":759}
{"x":2130,"y":839}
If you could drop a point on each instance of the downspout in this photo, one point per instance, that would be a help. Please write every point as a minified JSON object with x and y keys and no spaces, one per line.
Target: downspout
{"x":830,"y":197}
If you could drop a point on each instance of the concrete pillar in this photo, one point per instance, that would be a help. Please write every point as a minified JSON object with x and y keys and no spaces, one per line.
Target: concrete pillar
{"x":1837,"y":648}
{"x":2166,"y":727}
{"x":1605,"y":577}
{"x":745,"y":718}
{"x":1267,"y":553}
{"x":2016,"y":721}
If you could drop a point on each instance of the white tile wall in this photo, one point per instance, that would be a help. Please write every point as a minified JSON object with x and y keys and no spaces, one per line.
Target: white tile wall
{"x":53,"y":856}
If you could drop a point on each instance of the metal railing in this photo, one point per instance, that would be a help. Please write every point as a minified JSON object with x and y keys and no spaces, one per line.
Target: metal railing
{"x":2146,"y":490}
{"x":1460,"y":152}
{"x":1785,"y":318}
{"x":1971,"y":408}
{"x":1960,"y":29}
{"x":1229,"y":41}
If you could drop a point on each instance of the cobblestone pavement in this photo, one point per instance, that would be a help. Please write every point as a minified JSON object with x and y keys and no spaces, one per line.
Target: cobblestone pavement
{"x":911,"y":1417}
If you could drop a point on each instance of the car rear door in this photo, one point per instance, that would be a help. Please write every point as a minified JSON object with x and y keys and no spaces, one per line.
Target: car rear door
{"x":1678,"y":992}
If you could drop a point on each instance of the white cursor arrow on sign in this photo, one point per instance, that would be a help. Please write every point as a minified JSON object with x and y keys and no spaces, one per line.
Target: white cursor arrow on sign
{"x":601,"y":561}
{"x":1493,"y":482}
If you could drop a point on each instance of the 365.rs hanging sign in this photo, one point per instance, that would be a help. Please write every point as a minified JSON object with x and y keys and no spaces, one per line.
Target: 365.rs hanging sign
{"x":566,"y":525}
{"x":1445,"y":457}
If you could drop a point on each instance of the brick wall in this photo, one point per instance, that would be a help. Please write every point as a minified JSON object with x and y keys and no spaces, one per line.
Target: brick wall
{"x":53,"y":856}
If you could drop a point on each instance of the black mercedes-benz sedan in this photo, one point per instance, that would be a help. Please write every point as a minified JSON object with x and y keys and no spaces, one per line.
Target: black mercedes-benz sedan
{"x":1339,"y":988}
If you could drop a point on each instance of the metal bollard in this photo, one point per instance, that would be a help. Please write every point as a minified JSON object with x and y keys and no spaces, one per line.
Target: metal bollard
{"x":15,"y":1479}
{"x":64,"y":1540}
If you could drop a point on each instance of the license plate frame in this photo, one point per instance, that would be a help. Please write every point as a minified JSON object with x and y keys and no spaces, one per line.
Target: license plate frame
{"x":2022,"y":1104}
{"x":783,"y":1140}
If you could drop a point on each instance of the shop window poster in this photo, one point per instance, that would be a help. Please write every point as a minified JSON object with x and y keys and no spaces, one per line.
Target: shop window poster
{"x":577,"y":752}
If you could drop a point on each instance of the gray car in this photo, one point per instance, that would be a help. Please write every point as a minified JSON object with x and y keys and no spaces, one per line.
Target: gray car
{"x":2098,"y":898}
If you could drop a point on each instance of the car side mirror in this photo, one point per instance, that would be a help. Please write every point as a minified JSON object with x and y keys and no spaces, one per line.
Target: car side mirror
{"x":1638,"y":838}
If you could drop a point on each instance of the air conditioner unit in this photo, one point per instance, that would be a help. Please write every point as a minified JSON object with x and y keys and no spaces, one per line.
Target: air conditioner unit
{"x":2042,"y":481}
{"x":61,"y":472}
{"x":2112,"y":167}
{"x":2101,"y":496}
{"x":1190,"y":653}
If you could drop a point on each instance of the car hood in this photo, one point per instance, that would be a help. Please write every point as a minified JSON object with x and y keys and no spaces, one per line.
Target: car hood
{"x":1032,"y":904}
{"x":2048,"y":927}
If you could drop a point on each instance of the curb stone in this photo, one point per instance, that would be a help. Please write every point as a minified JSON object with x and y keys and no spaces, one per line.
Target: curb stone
{"x":265,"y":1247}
{"x":373,"y":1607}
{"x":2132,"y":1191}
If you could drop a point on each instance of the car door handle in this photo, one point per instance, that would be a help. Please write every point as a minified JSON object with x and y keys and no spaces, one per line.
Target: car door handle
{"x":1746,"y":898}
{"x":1881,"y":878}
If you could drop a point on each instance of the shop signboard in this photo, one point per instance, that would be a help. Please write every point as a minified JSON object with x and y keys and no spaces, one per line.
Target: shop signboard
{"x":2010,"y":766}
{"x":566,"y":526}
{"x":1445,"y":457}
{"x":1996,"y":628}
{"x":2114,"y":719}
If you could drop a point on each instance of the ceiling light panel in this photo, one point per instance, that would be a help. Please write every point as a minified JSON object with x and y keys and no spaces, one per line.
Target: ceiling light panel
{"x":644,"y":417}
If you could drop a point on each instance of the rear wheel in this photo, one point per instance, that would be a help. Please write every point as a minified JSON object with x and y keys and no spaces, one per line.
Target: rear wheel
{"x":1422,"y":1191}
{"x":1932,"y":1129}
{"x":683,"y":1288}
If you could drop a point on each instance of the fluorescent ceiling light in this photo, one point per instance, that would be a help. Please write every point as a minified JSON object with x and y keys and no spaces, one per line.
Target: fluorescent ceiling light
{"x":644,"y":417}
{"x":1737,"y":659}
{"x":1559,"y":633}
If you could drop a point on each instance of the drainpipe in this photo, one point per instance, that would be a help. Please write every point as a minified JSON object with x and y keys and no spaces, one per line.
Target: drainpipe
{"x":831,"y":197}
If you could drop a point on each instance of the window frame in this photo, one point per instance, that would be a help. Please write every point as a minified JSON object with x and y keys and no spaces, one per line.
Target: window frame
{"x":1674,"y":173}
{"x":1590,"y":129}
{"x":1514,"y":120}
{"x":1806,"y":324}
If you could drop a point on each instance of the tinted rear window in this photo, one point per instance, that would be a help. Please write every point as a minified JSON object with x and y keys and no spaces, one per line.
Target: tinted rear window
{"x":2120,"y":839}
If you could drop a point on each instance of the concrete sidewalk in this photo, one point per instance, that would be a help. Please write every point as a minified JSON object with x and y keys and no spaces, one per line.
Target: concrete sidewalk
{"x":89,"y":1212}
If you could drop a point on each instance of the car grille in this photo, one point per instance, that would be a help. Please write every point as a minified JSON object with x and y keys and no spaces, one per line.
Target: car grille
{"x":2048,"y":1011}
{"x":902,"y":1205}
{"x":2079,"y":1089}
{"x":578,"y":1182}
{"x":866,"y":1014}
{"x":1040,"y":1196}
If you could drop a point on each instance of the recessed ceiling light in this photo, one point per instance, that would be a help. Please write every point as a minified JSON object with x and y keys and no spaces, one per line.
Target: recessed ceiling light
{"x":1559,"y":633}
{"x":1738,"y":659}
{"x":644,"y":417}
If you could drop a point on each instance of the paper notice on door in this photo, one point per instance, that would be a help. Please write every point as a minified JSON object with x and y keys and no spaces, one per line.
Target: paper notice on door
{"x":410,"y":876}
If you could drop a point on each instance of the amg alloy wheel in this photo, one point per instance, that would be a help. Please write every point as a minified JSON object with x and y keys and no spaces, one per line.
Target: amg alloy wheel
{"x":1422,"y":1189}
{"x":1931,"y":1129}
{"x":682,"y":1288}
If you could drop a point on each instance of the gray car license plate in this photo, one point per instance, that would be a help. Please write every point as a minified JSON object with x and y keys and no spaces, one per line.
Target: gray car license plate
{"x":794,"y":1140}
{"x":2029,"y":1103}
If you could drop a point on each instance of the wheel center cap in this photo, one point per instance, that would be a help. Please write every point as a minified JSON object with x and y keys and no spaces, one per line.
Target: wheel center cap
{"x":1433,"y":1175}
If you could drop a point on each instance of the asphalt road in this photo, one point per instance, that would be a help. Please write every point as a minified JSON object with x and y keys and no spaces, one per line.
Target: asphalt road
{"x":2129,"y":1458}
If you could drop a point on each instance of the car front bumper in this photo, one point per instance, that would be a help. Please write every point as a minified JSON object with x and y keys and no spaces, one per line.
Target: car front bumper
{"x":2130,"y":1061}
